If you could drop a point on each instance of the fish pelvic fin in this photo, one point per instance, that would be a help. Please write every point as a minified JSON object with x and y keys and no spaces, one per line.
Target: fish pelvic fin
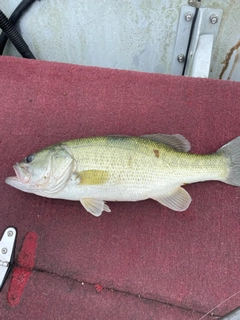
{"x":95,"y":206}
{"x":177,"y":199}
{"x":231,"y":151}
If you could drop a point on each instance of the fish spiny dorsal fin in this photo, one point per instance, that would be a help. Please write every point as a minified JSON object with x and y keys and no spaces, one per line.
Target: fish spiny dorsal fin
{"x":175,"y":141}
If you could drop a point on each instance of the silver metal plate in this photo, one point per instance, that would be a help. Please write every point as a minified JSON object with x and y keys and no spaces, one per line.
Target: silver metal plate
{"x":6,"y":252}
{"x":203,"y":56}
{"x":182,"y":37}
{"x":234,"y":315}
{"x":203,"y":26}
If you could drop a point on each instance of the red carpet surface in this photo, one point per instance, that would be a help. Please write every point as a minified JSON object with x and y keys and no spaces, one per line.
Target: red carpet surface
{"x":142,"y":260}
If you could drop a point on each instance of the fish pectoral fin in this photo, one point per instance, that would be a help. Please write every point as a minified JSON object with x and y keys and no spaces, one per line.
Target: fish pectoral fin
{"x":92,"y":177}
{"x":177,"y":200}
{"x":95,"y":206}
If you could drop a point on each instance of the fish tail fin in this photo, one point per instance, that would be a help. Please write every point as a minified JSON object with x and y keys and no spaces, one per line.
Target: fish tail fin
{"x":231,"y":151}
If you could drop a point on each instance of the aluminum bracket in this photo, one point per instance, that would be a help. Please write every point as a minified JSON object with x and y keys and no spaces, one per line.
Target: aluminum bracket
{"x":7,"y":247}
{"x":207,"y":24}
{"x":203,"y":56}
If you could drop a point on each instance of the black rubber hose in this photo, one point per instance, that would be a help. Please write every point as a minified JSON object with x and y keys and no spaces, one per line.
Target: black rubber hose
{"x":15,"y":16}
{"x":13,"y":35}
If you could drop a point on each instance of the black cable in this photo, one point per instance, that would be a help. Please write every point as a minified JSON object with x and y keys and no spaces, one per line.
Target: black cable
{"x":190,"y":36}
{"x":15,"y":37}
{"x":15,"y":16}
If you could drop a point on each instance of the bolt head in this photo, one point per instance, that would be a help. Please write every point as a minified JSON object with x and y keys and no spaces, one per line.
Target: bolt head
{"x":191,"y":2}
{"x":10,"y":233}
{"x":213,"y":19}
{"x":188,"y":17}
{"x":181,"y":58}
{"x":4,"y":250}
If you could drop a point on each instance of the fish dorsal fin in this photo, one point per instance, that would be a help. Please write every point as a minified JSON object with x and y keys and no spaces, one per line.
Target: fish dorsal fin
{"x":95,"y":206}
{"x":175,"y":141}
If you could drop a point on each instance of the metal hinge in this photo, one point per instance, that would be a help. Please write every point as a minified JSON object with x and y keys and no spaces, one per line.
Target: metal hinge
{"x":195,"y":41}
{"x":7,"y":246}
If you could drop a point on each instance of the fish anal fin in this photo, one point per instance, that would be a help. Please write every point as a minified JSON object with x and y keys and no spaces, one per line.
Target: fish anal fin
{"x":95,"y":206}
{"x":92,"y":177}
{"x":175,"y":141}
{"x":177,"y":200}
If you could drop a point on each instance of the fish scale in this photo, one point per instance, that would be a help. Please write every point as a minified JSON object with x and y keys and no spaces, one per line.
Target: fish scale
{"x":139,"y":164}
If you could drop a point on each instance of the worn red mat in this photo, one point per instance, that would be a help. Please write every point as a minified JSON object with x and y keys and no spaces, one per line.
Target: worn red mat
{"x":142,"y":260}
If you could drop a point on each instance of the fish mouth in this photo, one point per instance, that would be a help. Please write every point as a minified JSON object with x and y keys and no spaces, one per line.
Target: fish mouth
{"x":10,"y":180}
{"x":16,"y":183}
{"x":21,"y":179}
{"x":22,"y":173}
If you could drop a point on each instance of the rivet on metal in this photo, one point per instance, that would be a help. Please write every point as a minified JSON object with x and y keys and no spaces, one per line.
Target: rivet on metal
{"x":10,"y":233}
{"x":191,"y":2}
{"x":188,"y":17}
{"x":181,"y":58}
{"x":4,"y":250}
{"x":213,"y":18}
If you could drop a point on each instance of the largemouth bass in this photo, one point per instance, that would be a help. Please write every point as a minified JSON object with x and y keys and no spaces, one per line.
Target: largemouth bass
{"x":123,"y":168}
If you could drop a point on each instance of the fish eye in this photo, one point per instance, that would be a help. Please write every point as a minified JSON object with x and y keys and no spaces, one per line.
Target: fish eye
{"x":30,"y":158}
